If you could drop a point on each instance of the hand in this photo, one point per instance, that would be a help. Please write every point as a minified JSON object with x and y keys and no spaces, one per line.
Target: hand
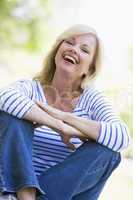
{"x":66,"y":134}
{"x":66,"y":140}
{"x":67,"y":131}
{"x":52,"y":111}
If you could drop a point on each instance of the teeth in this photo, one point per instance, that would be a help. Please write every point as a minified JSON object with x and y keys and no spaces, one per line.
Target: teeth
{"x":70,"y":58}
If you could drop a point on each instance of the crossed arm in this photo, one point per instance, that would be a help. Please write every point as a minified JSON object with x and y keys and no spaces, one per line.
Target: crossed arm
{"x":83,"y":127}
{"x":111,"y":133}
{"x":65,"y":123}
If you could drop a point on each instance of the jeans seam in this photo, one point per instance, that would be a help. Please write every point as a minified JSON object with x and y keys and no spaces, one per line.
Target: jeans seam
{"x":97,"y":170}
{"x":113,"y":165}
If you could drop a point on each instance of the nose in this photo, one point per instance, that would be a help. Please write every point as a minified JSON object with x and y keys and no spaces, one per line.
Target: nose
{"x":75,"y":50}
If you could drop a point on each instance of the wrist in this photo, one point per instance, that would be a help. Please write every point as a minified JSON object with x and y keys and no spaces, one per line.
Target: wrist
{"x":68,"y":117}
{"x":51,"y":122}
{"x":58,"y":124}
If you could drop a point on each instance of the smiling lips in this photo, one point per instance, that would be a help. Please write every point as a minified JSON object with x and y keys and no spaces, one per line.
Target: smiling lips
{"x":70,"y":58}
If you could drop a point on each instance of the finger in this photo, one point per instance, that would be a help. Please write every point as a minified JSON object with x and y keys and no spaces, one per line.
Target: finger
{"x":71,"y":146}
{"x":36,"y":125}
{"x":66,"y":140}
{"x":82,"y":139}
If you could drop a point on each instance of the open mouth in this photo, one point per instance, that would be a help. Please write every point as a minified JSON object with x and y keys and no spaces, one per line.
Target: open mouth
{"x":70,"y":59}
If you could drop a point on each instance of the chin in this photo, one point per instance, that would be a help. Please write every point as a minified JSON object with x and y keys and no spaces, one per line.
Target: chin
{"x":65,"y":67}
{"x":68,"y":69}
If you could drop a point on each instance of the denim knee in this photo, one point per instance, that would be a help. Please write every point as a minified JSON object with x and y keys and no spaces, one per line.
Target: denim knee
{"x":89,"y":165}
{"x":16,"y":169}
{"x":105,"y":154}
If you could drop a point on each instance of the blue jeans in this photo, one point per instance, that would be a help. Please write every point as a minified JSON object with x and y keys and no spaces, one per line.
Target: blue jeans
{"x":81,"y":176}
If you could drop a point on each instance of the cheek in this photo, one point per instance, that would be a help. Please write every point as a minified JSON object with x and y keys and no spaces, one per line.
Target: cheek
{"x":86,"y":61}
{"x":89,"y":60}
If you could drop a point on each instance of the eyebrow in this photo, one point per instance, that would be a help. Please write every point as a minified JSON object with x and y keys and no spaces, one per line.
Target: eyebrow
{"x":71,"y":38}
{"x":74,"y":39}
{"x":86,"y":45}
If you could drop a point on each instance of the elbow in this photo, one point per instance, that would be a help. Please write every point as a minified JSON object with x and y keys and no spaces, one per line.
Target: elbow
{"x":115,"y":136}
{"x":126,"y":138}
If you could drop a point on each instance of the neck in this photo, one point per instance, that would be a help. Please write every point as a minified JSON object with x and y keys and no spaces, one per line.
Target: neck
{"x":64,"y":84}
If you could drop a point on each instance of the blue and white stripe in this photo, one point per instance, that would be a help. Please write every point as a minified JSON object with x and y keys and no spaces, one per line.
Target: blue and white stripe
{"x":48,"y":148}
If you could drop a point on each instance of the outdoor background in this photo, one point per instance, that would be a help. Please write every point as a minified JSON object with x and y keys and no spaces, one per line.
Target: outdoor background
{"x":29,"y":27}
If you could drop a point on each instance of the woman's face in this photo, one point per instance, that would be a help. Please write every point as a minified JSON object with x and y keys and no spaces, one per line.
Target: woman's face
{"x":75,"y":55}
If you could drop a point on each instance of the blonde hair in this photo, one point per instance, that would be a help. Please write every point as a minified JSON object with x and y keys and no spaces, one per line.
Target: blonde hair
{"x":46,"y":75}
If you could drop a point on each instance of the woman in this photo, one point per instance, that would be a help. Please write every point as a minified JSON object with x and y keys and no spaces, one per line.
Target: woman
{"x":60,"y":138}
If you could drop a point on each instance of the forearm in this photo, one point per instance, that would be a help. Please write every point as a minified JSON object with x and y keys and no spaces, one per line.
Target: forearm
{"x":89,"y":128}
{"x":37,"y":115}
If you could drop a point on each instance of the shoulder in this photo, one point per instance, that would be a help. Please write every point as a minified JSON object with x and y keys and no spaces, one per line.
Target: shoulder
{"x":93,"y":96}
{"x":93,"y":93}
{"x":26,"y":82}
{"x":28,"y":86}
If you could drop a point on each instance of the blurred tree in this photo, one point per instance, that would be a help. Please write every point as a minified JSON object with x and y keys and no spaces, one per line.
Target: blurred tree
{"x":23,"y":23}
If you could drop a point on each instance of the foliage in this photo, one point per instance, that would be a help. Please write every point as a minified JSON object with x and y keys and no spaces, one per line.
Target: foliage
{"x":23,"y":24}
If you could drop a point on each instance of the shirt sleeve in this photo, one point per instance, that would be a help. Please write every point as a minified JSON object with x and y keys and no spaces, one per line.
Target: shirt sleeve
{"x":114,"y":133}
{"x":16,"y":99}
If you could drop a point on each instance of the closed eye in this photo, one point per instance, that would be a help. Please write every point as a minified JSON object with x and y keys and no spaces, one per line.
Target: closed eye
{"x":69,"y":42}
{"x":85,"y":50}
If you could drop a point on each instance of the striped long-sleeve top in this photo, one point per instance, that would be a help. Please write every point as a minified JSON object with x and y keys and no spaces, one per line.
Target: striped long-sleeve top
{"x":48,"y":148}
